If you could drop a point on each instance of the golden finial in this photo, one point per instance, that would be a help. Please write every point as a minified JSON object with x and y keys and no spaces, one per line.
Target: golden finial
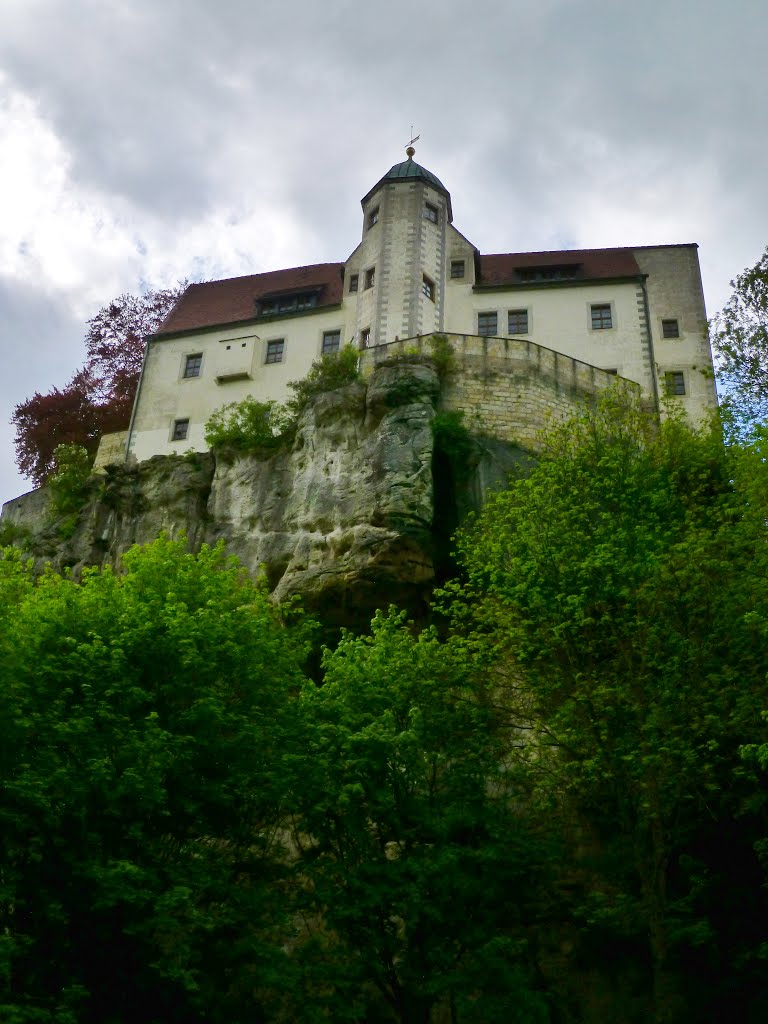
{"x":409,"y":150}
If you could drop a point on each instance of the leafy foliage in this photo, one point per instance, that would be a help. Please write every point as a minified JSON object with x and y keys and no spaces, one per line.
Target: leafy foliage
{"x":418,"y":863}
{"x":69,"y":481}
{"x":99,"y":397}
{"x":247,"y":425}
{"x":740,"y":342}
{"x":142,"y":719}
{"x":331,"y":371}
{"x":442,"y":355}
{"x":618,"y":590}
{"x":553,"y":810}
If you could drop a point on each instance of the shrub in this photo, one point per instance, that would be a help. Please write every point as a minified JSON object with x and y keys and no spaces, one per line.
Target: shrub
{"x":246,"y":425}
{"x":451,"y":435}
{"x":12,"y":533}
{"x":69,"y":480}
{"x":442,"y":355}
{"x":326,"y":374}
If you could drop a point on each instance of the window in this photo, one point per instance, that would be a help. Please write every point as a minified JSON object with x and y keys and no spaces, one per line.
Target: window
{"x":674,"y":382}
{"x":331,"y":342}
{"x":487,"y":324}
{"x":431,"y":213}
{"x":354,"y":282}
{"x":180,"y":430}
{"x":517,"y":321}
{"x":370,"y":276}
{"x":457,"y":268}
{"x":295,"y":303}
{"x":373,"y":218}
{"x":428,"y":287}
{"x":365,"y":338}
{"x":192,"y":365}
{"x":670,"y":329}
{"x":533,"y":275}
{"x":275,"y":350}
{"x":602,"y":317}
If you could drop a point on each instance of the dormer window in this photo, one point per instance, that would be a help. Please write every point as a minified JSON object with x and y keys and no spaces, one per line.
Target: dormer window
{"x":274,"y":305}
{"x":431,"y":213}
{"x":373,"y":218}
{"x":536,"y":275}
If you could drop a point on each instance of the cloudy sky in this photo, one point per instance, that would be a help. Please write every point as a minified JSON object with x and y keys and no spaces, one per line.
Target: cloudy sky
{"x":144,"y":141}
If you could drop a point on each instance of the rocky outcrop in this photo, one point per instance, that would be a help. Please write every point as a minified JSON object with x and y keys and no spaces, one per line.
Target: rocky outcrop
{"x":345,"y":517}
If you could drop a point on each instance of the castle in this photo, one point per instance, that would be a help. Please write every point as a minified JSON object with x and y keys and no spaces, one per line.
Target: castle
{"x":573,"y":315}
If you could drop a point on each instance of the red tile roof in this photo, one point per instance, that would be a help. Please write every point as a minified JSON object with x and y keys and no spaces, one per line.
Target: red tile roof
{"x":234,"y":300}
{"x":501,"y":269}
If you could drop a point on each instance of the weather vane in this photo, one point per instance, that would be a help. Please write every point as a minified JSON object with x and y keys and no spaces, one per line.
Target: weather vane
{"x":409,"y":148}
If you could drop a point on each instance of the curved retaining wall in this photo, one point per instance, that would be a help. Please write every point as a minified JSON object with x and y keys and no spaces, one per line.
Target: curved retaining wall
{"x":508,"y":387}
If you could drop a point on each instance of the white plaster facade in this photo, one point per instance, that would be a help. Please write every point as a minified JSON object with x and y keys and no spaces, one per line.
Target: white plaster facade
{"x":638,"y":312}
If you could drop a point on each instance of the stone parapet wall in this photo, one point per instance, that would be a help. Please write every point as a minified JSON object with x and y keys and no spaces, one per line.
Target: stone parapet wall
{"x":507,"y":387}
{"x":27,"y":511}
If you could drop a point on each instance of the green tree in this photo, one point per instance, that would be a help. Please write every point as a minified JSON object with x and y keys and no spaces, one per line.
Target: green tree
{"x":619,"y":590}
{"x":143,"y":717}
{"x":740,"y":343}
{"x":417,"y":870}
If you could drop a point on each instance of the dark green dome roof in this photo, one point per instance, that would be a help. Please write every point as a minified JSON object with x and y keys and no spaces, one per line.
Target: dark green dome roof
{"x":409,"y":170}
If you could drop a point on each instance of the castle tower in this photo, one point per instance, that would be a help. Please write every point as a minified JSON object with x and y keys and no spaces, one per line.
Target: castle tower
{"x":399,"y":269}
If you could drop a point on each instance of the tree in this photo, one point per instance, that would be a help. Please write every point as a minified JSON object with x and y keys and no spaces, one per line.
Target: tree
{"x":99,"y":397}
{"x":418,"y":866}
{"x":740,"y":342}
{"x":624,"y":587}
{"x":143,"y":717}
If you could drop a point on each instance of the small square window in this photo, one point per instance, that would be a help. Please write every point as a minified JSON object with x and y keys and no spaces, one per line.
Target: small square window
{"x":275,"y":350}
{"x":487,"y":324}
{"x":431,"y":213}
{"x":180,"y":430}
{"x":517,"y":321}
{"x":373,"y":218}
{"x":428,"y":288}
{"x":331,"y":342}
{"x":365,"y":338}
{"x":602,"y":317}
{"x":370,"y":277}
{"x":354,"y":282}
{"x":457,"y":268}
{"x":670,"y":329}
{"x":674,"y":382}
{"x":192,"y":365}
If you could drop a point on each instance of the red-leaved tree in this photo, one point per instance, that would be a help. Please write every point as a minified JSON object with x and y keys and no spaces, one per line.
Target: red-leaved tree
{"x":99,"y":397}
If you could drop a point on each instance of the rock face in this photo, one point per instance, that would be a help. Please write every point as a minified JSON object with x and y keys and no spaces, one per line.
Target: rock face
{"x":346,"y":517}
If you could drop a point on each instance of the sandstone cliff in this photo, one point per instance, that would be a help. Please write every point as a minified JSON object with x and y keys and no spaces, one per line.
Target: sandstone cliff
{"x":356,"y":514}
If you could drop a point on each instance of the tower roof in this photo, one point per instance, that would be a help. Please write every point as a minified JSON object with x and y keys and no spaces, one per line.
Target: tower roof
{"x":409,"y":170}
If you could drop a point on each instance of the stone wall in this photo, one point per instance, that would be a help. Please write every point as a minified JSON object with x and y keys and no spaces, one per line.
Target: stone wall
{"x":111,"y":450}
{"x":508,"y":388}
